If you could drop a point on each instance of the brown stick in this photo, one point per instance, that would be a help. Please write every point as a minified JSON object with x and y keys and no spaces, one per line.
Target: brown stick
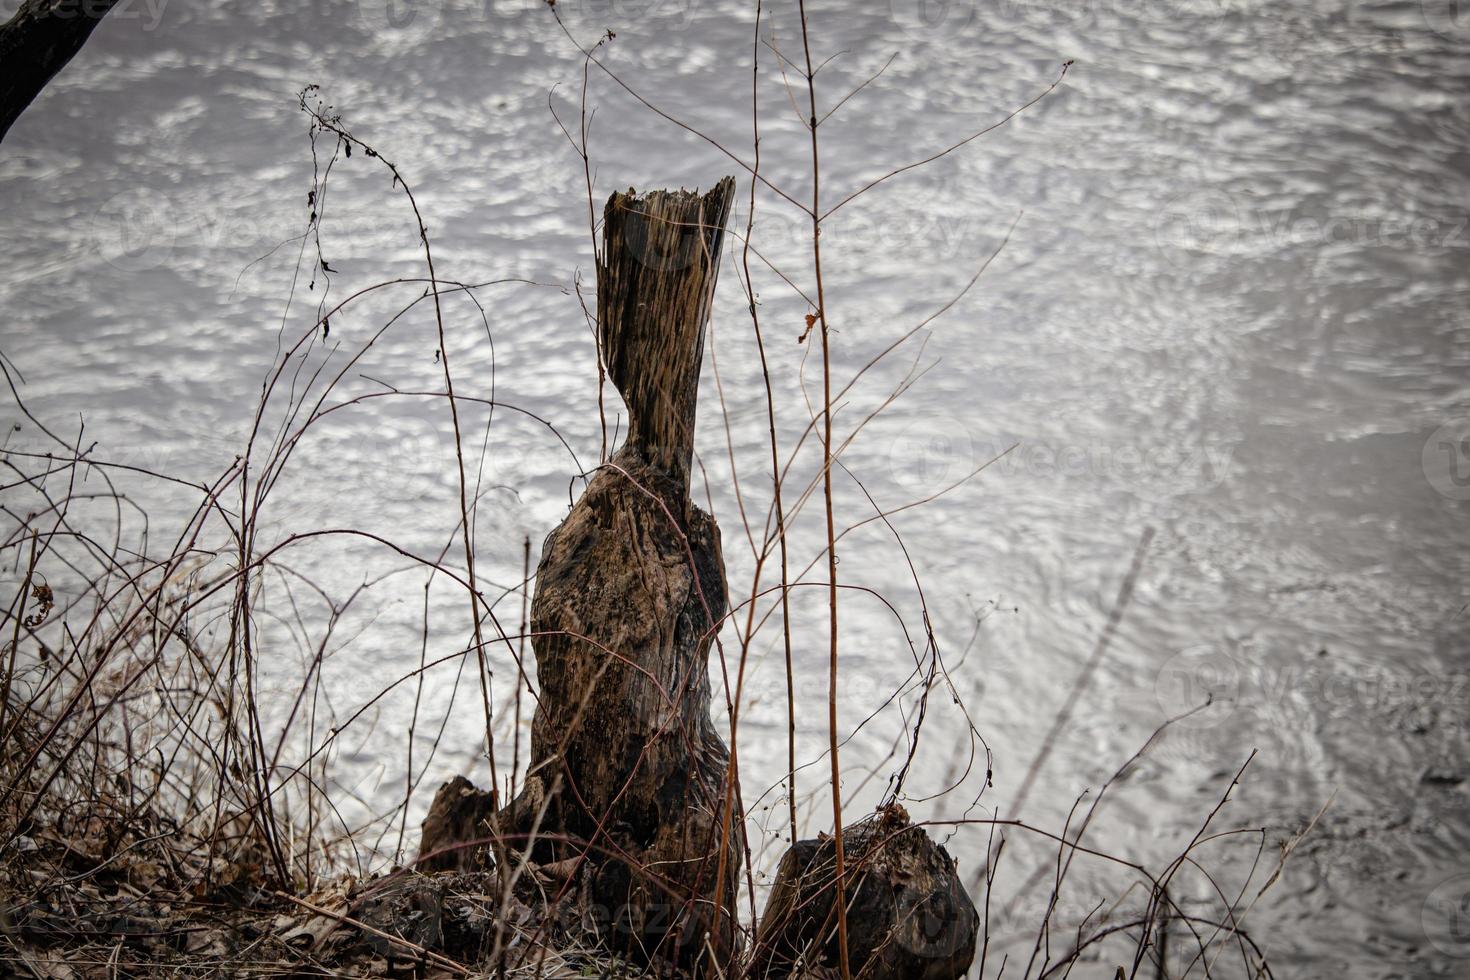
{"x":427,"y":954}
{"x":843,"y":964}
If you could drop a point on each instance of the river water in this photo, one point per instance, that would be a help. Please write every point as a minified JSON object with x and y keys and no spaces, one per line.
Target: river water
{"x":1231,"y":308}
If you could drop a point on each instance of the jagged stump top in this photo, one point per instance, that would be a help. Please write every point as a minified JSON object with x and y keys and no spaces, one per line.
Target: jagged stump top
{"x":655,"y":282}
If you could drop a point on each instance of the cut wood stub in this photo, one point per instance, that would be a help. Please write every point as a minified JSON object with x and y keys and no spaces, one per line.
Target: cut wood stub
{"x":630,"y":592}
{"x":655,"y":282}
{"x":908,"y":915}
{"x":454,"y":829}
{"x":629,"y":595}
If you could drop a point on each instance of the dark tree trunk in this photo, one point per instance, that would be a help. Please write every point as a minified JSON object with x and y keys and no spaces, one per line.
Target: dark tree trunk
{"x":37,"y":43}
{"x":629,"y":594}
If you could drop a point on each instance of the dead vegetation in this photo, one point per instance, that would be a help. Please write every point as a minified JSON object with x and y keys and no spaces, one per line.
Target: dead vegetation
{"x":155,"y":821}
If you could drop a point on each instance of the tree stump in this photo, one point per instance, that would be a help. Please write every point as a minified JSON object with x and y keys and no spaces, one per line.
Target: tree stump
{"x":908,"y":917}
{"x":630,"y":592}
{"x":455,"y":818}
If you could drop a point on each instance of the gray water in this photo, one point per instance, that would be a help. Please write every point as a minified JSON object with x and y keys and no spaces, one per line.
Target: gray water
{"x":1232,"y":309}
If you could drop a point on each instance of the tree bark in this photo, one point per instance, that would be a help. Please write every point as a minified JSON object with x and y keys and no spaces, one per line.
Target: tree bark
{"x":37,"y":43}
{"x":630,"y":592}
{"x":655,"y":282}
{"x":908,"y":915}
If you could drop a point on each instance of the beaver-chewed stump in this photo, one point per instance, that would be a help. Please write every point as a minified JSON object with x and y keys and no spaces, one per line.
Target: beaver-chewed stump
{"x":627,"y":770}
{"x":908,"y":915}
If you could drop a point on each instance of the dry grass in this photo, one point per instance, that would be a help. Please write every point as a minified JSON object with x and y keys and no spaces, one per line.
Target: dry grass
{"x":153,"y":823}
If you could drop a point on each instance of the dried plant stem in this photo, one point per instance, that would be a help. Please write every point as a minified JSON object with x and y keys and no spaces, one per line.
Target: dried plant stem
{"x":776,"y":478}
{"x":466,"y":523}
{"x":19,"y":615}
{"x":839,"y":861}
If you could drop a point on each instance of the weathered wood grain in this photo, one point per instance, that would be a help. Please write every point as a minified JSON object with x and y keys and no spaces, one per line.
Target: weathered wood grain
{"x":629,"y":593}
{"x":908,"y":915}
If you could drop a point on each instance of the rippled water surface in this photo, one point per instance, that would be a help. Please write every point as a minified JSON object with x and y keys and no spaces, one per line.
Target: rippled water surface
{"x":1232,"y":308}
